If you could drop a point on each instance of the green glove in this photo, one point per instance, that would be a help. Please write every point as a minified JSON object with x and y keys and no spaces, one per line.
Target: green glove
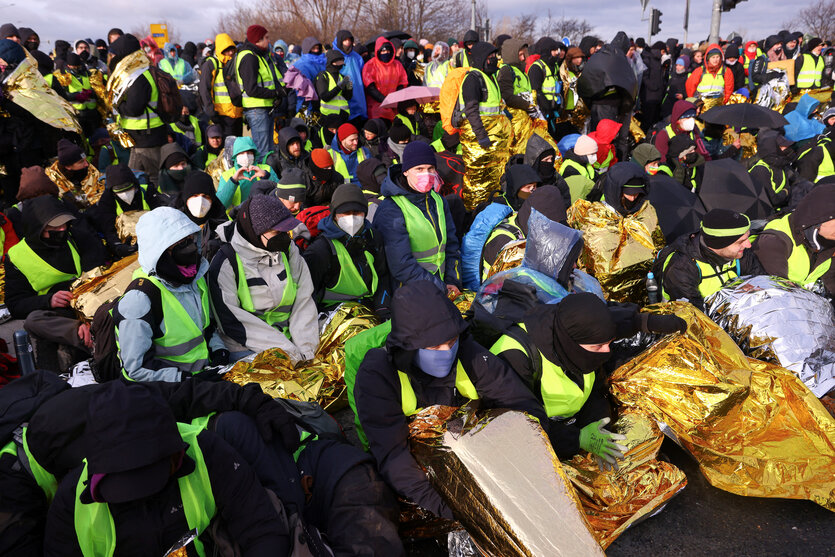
{"x":602,"y":442}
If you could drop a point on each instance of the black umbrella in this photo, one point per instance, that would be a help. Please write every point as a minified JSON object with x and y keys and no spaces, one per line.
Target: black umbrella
{"x":607,"y":68}
{"x":679,"y":210}
{"x":745,"y":115}
{"x":389,"y":35}
{"x":727,"y":185}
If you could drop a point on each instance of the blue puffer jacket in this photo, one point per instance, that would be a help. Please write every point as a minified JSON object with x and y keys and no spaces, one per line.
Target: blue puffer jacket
{"x":391,"y":225}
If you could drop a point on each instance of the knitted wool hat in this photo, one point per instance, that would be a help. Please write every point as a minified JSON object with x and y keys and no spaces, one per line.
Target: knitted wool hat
{"x":723,"y":227}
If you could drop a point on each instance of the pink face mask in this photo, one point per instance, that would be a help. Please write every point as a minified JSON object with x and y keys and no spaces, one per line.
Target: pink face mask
{"x":426,"y":182}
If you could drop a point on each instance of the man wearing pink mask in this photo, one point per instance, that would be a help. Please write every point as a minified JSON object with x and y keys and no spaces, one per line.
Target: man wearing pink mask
{"x":416,"y":224}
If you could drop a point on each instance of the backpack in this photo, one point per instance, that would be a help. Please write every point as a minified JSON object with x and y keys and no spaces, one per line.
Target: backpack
{"x":230,"y":78}
{"x":310,"y":217}
{"x":355,"y":350}
{"x":170,"y":104}
{"x":448,"y":100}
{"x":472,"y":245}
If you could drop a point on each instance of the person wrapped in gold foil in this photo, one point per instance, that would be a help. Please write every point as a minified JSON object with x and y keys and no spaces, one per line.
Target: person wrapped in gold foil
{"x":79,"y":181}
{"x":486,"y":133}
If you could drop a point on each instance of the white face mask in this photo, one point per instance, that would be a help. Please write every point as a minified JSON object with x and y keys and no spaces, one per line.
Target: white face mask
{"x":351,"y":223}
{"x":411,"y":54}
{"x":127,"y":195}
{"x":592,"y":158}
{"x":198,"y":206}
{"x":687,"y":124}
{"x":245,"y":160}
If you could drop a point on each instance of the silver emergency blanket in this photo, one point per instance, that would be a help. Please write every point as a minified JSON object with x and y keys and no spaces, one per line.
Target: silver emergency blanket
{"x":773,"y":93}
{"x":774,"y":320}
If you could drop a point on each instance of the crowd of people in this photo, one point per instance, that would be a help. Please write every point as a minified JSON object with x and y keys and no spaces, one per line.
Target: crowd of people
{"x":346,"y":187}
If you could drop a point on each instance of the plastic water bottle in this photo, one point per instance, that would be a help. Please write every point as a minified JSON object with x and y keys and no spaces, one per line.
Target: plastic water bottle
{"x":652,"y":289}
{"x":23,"y":349}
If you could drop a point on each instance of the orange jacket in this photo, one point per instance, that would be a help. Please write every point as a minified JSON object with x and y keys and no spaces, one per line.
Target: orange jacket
{"x":696,"y":76}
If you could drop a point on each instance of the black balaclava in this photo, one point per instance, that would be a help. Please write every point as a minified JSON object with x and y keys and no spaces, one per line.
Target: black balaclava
{"x":545,"y":169}
{"x":582,"y":319}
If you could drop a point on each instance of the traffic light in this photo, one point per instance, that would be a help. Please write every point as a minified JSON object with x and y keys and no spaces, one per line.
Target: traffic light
{"x":728,"y":5}
{"x":655,"y":21}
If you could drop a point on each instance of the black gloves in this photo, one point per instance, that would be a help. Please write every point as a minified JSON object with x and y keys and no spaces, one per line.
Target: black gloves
{"x":208,"y":374}
{"x":485,"y":142}
{"x":219,"y":357}
{"x":664,"y":324}
{"x":123,"y":250}
{"x":271,"y":418}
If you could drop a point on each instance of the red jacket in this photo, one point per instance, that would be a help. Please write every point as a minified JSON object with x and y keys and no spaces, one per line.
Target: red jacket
{"x":388,"y":77}
{"x":606,"y":132}
{"x":696,"y":76}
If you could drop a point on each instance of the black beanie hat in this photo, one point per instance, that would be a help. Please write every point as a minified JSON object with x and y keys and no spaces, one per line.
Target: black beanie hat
{"x":723,"y":227}
{"x":119,"y":177}
{"x":348,"y":197}
{"x":399,"y":132}
{"x":69,"y":153}
{"x":334,"y":55}
{"x":73,"y":59}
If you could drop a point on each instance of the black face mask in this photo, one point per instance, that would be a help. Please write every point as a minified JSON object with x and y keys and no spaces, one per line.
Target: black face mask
{"x":84,"y":55}
{"x":385,"y":57}
{"x":491,"y":66}
{"x":185,"y":253}
{"x":180,"y":174}
{"x":76,"y":175}
{"x":56,"y":238}
{"x":32,"y":45}
{"x":546,"y":169}
{"x":102,"y":53}
{"x":278,"y":243}
{"x":691,"y":159}
{"x":323,"y":174}
{"x":184,"y":118}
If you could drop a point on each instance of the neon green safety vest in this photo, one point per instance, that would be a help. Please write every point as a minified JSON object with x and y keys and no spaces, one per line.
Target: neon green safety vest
{"x":664,"y":169}
{"x":408,"y":123}
{"x":435,"y":73}
{"x":711,"y":278}
{"x":143,"y":189}
{"x":237,"y":196}
{"x":337,"y":104}
{"x":267,"y":76}
{"x":777,"y":188}
{"x":549,"y":84}
{"x":341,"y":166}
{"x":182,"y":340}
{"x":584,"y":170}
{"x":149,"y":119}
{"x":41,"y":275}
{"x":508,"y":228}
{"x":279,"y":316}
{"x":561,"y":396}
{"x":438,"y":145}
{"x":408,"y":399}
{"x":45,"y":480}
{"x":177,"y":71}
{"x":605,"y":163}
{"x":94,"y":526}
{"x":429,"y":251}
{"x":570,"y":100}
{"x":711,"y":86}
{"x":826,"y":166}
{"x":349,"y":286}
{"x":220,"y":93}
{"x":77,"y":86}
{"x":811,"y":71}
{"x":521,"y":83}
{"x":799,"y":263}
{"x":492,"y":106}
{"x":195,"y":124}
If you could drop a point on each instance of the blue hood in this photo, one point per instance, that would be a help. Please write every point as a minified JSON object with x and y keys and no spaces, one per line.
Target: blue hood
{"x":353,"y":69}
{"x":800,"y":126}
{"x":167,"y":49}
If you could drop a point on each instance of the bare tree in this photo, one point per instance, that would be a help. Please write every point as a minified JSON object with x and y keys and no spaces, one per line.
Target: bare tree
{"x":574,"y":29}
{"x":522,"y":27}
{"x":430,"y":19}
{"x":818,"y":19}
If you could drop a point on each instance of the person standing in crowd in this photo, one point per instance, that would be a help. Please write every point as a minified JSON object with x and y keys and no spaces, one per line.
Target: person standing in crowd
{"x":732,"y":61}
{"x":175,"y":66}
{"x":816,"y":162}
{"x":344,"y":43}
{"x":381,"y":76}
{"x":544,"y":79}
{"x":438,"y":67}
{"x":808,"y":70}
{"x":214,"y":93}
{"x":334,"y":89}
{"x":258,"y":78}
{"x":81,"y":95}
{"x":711,"y":80}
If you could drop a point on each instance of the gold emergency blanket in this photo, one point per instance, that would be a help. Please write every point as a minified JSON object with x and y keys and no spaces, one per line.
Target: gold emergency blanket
{"x":712,"y":102}
{"x":216,"y":168}
{"x":97,"y":82}
{"x":748,"y":143}
{"x":523,"y":128}
{"x":499,"y":474}
{"x":754,"y":428}
{"x":2,"y":284}
{"x":126,"y":226}
{"x":126,"y":71}
{"x":26,"y":87}
{"x":618,"y":251}
{"x":822,"y":94}
{"x":101,"y":285}
{"x":615,"y":500}
{"x":510,"y":257}
{"x":635,"y":131}
{"x":484,"y":166}
{"x":120,"y":135}
{"x":92,"y":186}
{"x":320,"y":380}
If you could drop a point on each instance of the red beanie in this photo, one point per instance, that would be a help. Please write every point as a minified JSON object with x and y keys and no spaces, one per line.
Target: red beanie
{"x":345,"y":130}
{"x":255,"y":33}
{"x":321,"y":158}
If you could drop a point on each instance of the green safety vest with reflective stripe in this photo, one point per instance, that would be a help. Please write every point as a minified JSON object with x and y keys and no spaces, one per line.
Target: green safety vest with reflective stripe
{"x":149,"y":119}
{"x":182,"y":341}
{"x":826,"y":166}
{"x":492,"y":106}
{"x":605,"y":163}
{"x":777,"y":188}
{"x":195,"y":124}
{"x":237,"y":196}
{"x":408,"y":398}
{"x":337,"y":104}
{"x":747,"y":63}
{"x":435,"y":74}
{"x":799,"y":263}
{"x":94,"y":526}
{"x":279,"y":316}
{"x":77,"y":86}
{"x":584,"y":170}
{"x":438,"y":145}
{"x":521,"y":83}
{"x":550,"y":85}
{"x":178,"y":71}
{"x":560,"y":395}
{"x":41,"y":275}
{"x":664,"y":169}
{"x":341,"y":166}
{"x":811,"y":71}
{"x":267,"y":76}
{"x":220,"y":93}
{"x":429,"y":252}
{"x":570,"y":100}
{"x":711,"y":278}
{"x":508,"y":228}
{"x":143,"y":189}
{"x":408,"y":123}
{"x":45,"y":480}
{"x":350,"y":285}
{"x":711,"y":86}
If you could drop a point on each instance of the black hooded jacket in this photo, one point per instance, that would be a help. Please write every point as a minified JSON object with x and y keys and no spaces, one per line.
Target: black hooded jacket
{"x":421,"y":317}
{"x":507,"y":76}
{"x":474,"y":89}
{"x":535,"y":151}
{"x":21,"y":298}
{"x":376,"y":146}
{"x":285,"y":160}
{"x":543,"y":47}
{"x":248,"y":70}
{"x":216,"y":216}
{"x":618,"y":175}
{"x":777,"y":172}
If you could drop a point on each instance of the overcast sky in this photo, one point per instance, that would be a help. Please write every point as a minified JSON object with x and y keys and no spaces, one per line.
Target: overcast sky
{"x":195,"y":20}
